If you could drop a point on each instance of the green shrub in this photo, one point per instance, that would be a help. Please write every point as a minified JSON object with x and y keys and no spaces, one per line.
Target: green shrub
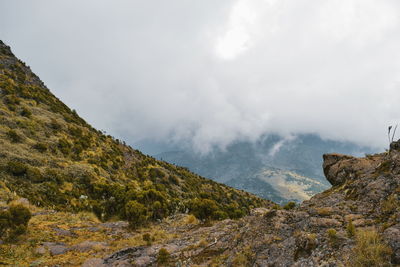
{"x":11,"y":101}
{"x":41,"y":147}
{"x":350,"y":229}
{"x":147,"y":238}
{"x":26,"y":112}
{"x":157,"y":210}
{"x":16,"y":231}
{"x":237,"y":213}
{"x":16,"y":168}
{"x":173,"y":179}
{"x":163,"y":256}
{"x":14,"y":222}
{"x":34,"y":175}
{"x":20,"y":215}
{"x":290,"y":205}
{"x":5,"y":222}
{"x":55,"y":125}
{"x":332,"y":237}
{"x":390,"y":205}
{"x":14,"y":136}
{"x":203,"y":209}
{"x":135,"y":213}
{"x":64,"y":146}
{"x":220,"y":215}
{"x":52,"y":175}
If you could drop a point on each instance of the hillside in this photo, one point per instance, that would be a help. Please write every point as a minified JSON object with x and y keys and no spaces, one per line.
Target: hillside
{"x":273,"y":167}
{"x":72,"y":196}
{"x":355,"y":223}
{"x":53,"y":158}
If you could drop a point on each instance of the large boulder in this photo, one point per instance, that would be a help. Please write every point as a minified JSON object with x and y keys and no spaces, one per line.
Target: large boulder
{"x":333,"y":170}
{"x":392,"y":237}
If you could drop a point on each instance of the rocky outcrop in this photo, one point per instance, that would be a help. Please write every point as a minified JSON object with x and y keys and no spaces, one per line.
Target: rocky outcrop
{"x":333,"y":167}
{"x":395,"y":146}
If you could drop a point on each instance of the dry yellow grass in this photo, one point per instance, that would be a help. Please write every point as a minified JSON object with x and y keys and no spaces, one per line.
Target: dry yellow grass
{"x":42,"y":228}
{"x":370,"y":250}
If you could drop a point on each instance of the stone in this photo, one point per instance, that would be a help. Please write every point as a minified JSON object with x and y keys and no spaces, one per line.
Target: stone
{"x":40,"y":250}
{"x":259,"y":211}
{"x":62,"y":232}
{"x":93,"y":229}
{"x":89,"y":245}
{"x":115,"y":225}
{"x":324,"y":222}
{"x":392,"y":237}
{"x":94,"y":262}
{"x":362,"y":222}
{"x":143,"y":261}
{"x":352,"y":217}
{"x":332,"y":171}
{"x":56,"y":248}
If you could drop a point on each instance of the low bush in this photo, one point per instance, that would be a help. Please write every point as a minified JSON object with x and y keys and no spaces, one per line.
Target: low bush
{"x":203,"y":209}
{"x":163,"y":256}
{"x":14,"y":222}
{"x":350,"y":229}
{"x":34,"y":175}
{"x":332,"y":237}
{"x":41,"y":147}
{"x":16,"y":168}
{"x":290,"y":205}
{"x":147,"y":238}
{"x":64,"y":146}
{"x":14,"y":136}
{"x":26,"y":112}
{"x":135,"y":213}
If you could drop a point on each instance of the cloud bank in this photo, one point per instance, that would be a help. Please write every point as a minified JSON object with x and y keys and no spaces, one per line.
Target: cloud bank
{"x":213,"y":72}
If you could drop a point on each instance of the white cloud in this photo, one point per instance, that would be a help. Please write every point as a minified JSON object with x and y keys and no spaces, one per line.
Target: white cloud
{"x":212,"y":72}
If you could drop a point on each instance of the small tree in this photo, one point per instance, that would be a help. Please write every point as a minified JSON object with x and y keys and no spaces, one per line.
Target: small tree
{"x":350,"y":229}
{"x":20,"y":215}
{"x":163,"y":256}
{"x":136,"y":213}
{"x":14,"y":222}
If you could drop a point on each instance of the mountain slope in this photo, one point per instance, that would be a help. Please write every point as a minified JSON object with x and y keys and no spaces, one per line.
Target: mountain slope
{"x":52,"y":157}
{"x":269,"y":166}
{"x":355,"y":223}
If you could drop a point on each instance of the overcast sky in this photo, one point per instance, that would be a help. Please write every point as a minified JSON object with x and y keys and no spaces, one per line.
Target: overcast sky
{"x":211,"y":72}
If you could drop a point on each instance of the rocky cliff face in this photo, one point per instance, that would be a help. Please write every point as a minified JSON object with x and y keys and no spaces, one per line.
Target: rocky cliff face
{"x":356,"y":222}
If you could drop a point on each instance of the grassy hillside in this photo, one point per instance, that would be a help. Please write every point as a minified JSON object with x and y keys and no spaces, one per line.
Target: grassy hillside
{"x":52,"y":157}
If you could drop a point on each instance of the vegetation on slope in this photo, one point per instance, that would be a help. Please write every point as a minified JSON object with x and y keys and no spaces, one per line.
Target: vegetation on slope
{"x":52,"y":157}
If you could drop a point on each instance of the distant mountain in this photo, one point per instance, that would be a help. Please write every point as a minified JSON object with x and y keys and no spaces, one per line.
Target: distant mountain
{"x":275,"y":168}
